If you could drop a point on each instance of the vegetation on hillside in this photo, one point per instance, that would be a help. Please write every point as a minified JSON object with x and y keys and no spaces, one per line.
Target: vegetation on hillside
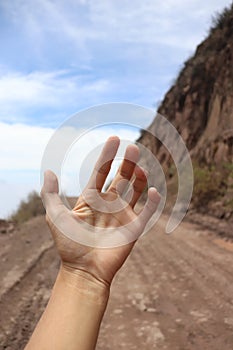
{"x":222,"y":19}
{"x":213,"y":184}
{"x":28,"y":208}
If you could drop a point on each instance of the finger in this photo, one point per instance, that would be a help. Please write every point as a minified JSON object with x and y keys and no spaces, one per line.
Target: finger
{"x":139,"y":185}
{"x":150,"y":206}
{"x":49,"y":191}
{"x":126,"y":170}
{"x":103,"y":164}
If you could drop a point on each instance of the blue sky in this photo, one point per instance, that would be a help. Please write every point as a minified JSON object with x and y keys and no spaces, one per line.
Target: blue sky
{"x":59,"y":57}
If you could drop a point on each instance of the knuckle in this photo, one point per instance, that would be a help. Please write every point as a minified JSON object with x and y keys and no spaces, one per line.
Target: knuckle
{"x":125,"y":174}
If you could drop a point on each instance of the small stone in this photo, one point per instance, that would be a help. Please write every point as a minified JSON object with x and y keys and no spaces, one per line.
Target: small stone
{"x":151,"y":309}
{"x":117,"y":311}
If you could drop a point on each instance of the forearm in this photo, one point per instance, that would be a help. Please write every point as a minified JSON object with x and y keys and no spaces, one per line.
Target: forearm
{"x":73,"y":315}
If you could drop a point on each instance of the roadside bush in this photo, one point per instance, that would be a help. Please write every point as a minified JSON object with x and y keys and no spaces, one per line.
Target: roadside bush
{"x":208,"y":185}
{"x":28,"y":208}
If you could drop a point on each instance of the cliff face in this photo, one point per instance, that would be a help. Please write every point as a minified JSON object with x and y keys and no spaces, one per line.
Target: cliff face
{"x":200,"y":103}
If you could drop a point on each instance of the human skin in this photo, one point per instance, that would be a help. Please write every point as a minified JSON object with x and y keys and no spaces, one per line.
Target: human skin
{"x":79,"y":297}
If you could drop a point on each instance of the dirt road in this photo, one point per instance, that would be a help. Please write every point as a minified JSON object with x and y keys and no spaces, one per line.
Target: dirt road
{"x":175,"y":292}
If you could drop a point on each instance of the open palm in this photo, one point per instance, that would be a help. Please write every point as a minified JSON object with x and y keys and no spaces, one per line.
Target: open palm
{"x":101,"y":211}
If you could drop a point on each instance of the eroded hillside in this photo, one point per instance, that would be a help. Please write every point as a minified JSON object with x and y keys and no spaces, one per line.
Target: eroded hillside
{"x":200,"y":106}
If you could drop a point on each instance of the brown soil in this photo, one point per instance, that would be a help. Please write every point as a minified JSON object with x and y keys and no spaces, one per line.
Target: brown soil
{"x":175,"y":292}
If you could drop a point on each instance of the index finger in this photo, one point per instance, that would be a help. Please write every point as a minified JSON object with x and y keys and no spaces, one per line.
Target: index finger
{"x":103,"y":164}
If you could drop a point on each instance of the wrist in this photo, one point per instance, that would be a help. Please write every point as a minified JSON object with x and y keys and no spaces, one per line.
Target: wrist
{"x":85,"y":284}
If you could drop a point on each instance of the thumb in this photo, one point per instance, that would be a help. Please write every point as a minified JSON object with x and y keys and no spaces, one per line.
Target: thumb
{"x":49,"y":191}
{"x":50,"y":183}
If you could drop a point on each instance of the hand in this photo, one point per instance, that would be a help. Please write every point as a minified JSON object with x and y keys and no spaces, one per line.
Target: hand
{"x":97,"y":209}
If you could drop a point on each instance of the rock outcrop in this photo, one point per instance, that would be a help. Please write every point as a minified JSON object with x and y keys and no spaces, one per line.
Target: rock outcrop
{"x":200,"y":103}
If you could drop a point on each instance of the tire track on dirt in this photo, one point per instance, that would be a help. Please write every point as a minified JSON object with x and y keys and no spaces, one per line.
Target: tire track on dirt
{"x":16,"y":274}
{"x":26,"y":300}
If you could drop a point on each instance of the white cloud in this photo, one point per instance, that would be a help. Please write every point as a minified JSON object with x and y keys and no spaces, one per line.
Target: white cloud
{"x":25,"y":92}
{"x":22,"y":146}
{"x":46,"y":87}
{"x":135,"y":22}
{"x":176,"y":24}
{"x":48,"y":97}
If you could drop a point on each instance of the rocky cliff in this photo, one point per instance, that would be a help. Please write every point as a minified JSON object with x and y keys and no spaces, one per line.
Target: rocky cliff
{"x":200,"y":106}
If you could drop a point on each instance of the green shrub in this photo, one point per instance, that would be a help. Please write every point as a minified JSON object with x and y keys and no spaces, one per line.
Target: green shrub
{"x":228,"y":169}
{"x":28,"y":208}
{"x":208,"y":185}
